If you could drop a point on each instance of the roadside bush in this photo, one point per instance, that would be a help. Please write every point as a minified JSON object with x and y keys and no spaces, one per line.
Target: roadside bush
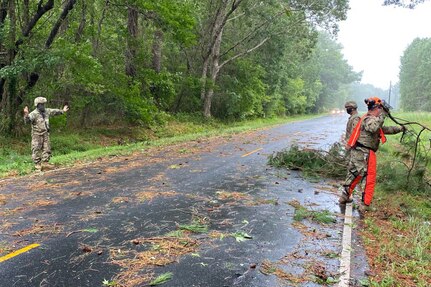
{"x":405,"y":167}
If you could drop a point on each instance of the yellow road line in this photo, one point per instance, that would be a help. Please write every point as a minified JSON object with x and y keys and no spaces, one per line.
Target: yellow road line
{"x":252,"y":152}
{"x":18,"y":252}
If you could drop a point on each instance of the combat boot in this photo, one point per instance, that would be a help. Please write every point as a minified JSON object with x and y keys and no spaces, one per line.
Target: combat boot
{"x":345,"y":197}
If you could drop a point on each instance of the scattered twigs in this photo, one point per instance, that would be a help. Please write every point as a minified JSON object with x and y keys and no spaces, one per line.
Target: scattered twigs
{"x":403,"y":122}
{"x":73,"y":232}
{"x":414,"y":154}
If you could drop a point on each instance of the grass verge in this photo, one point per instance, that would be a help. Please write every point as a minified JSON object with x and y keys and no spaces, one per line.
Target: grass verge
{"x":397,"y":237}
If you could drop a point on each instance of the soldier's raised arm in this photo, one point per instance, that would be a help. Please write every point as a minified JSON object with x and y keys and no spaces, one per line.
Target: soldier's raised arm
{"x":55,"y":112}
{"x":393,"y":130}
{"x":27,"y":118}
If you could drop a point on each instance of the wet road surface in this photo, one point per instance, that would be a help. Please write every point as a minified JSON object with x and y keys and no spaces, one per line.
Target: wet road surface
{"x":128,"y":219}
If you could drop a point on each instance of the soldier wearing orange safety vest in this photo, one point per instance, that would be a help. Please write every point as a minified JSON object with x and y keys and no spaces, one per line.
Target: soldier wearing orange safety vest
{"x":363,"y":144}
{"x":352,"y":110}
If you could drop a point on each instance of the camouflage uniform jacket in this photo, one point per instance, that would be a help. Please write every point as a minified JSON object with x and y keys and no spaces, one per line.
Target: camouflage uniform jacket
{"x":370,"y":131}
{"x":351,"y":123}
{"x":39,"y":122}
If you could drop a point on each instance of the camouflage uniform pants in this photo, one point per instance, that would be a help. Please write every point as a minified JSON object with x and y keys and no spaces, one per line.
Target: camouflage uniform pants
{"x":40,"y":148}
{"x":357,"y":167}
{"x":363,"y":163}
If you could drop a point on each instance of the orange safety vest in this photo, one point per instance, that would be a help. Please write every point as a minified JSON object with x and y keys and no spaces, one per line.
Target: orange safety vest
{"x":357,"y":132}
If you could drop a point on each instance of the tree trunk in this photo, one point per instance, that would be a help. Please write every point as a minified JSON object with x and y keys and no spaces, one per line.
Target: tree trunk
{"x":82,"y":23}
{"x":215,"y":69}
{"x":34,"y":77}
{"x":132,"y":28}
{"x":3,"y":10}
{"x":157,"y":50}
{"x":26,"y":13}
{"x":10,"y":98}
{"x":212,"y":52}
{"x":3,"y":53}
{"x":96,"y":38}
{"x":67,"y":7}
{"x":204,"y":77}
{"x":209,"y":95}
{"x":9,"y":89}
{"x":41,"y":10}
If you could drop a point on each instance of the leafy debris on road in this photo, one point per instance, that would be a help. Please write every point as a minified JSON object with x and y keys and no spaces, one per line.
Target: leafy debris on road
{"x":120,"y":199}
{"x":2,"y":199}
{"x":158,"y":251}
{"x":241,"y":236}
{"x":195,"y":227}
{"x":320,"y":274}
{"x":40,"y":228}
{"x":163,"y":278}
{"x":109,"y":283}
{"x":226,"y":195}
{"x":150,"y":195}
{"x":301,"y":213}
{"x":313,"y":162}
{"x":269,"y":268}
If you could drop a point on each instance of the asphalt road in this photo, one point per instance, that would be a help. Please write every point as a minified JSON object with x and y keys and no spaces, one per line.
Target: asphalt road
{"x":110,"y":220}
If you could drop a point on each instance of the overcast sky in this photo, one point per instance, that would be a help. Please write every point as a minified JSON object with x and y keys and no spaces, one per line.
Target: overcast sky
{"x":374,"y":37}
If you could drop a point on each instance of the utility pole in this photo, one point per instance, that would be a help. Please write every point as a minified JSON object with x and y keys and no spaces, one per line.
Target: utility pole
{"x":390,"y":90}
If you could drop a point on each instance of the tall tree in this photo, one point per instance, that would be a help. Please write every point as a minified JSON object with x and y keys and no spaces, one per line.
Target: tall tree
{"x":335,"y":73}
{"x":415,"y":75}
{"x":8,"y":81}
{"x":261,"y":25}
{"x":132,"y":29}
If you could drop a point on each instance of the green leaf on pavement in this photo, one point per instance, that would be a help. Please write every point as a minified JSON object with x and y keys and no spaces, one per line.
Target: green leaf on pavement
{"x":241,"y":236}
{"x":91,"y":230}
{"x":163,"y":278}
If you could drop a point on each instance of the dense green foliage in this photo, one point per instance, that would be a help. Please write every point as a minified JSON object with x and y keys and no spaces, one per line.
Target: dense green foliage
{"x":415,"y":75}
{"x":136,"y":61}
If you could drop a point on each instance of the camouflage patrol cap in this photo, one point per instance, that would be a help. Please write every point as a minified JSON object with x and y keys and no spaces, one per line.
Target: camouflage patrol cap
{"x":351,"y":104}
{"x":39,"y":100}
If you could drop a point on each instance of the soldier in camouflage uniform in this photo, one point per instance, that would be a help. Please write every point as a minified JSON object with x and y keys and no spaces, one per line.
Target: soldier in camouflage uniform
{"x":363,"y":143}
{"x":39,"y":119}
{"x":352,"y":110}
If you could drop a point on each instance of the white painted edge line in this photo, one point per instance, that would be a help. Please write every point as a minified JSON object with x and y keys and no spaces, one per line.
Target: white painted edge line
{"x":347,"y":247}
